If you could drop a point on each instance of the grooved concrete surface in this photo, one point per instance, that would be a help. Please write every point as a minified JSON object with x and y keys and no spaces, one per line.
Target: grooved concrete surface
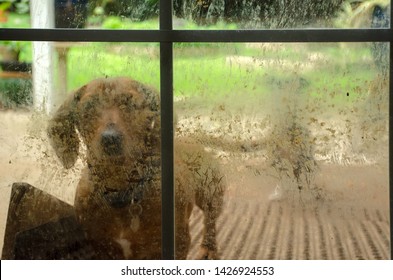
{"x":349,"y":221}
{"x":278,"y":231}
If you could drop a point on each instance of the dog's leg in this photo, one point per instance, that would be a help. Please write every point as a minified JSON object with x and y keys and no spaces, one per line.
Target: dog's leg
{"x":210,"y":199}
{"x":208,"y":249}
{"x":182,"y":232}
{"x":199,"y":177}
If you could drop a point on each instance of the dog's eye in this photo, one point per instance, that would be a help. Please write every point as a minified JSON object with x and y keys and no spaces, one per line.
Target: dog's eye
{"x":125,"y":107}
{"x":89,"y":109}
{"x":125,"y":103}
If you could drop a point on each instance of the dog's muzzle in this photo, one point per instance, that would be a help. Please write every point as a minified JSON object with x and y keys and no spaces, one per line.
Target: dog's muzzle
{"x":112,"y":141}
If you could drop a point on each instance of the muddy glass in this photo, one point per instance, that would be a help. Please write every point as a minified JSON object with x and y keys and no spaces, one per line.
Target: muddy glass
{"x":256,"y":14}
{"x":97,"y":14}
{"x":80,"y":149}
{"x":296,"y":142}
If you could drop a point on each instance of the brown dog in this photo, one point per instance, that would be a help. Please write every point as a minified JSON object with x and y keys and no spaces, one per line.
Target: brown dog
{"x":118,"y":199}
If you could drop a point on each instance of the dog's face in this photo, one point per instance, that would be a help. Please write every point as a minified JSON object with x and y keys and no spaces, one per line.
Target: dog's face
{"x":118,"y":119}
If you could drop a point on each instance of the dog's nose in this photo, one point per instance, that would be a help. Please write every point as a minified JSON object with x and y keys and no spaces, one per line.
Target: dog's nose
{"x":112,"y":141}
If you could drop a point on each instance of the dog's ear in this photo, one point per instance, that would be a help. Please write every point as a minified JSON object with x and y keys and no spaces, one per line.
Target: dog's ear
{"x":152,"y":97}
{"x":62,"y":130}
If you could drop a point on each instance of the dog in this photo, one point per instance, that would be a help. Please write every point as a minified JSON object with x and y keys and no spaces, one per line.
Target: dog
{"x":118,"y":198}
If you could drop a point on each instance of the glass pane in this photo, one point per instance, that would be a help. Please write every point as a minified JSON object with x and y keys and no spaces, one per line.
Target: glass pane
{"x":97,"y":14}
{"x":289,"y":149}
{"x":256,"y":14}
{"x":92,"y":164}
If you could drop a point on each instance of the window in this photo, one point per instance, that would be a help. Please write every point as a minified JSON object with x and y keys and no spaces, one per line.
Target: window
{"x":292,"y":102}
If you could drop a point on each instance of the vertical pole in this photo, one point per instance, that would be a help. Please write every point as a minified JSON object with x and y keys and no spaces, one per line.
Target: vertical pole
{"x":391,"y":133}
{"x":62,"y":78}
{"x":167,"y":160}
{"x":42,"y":16}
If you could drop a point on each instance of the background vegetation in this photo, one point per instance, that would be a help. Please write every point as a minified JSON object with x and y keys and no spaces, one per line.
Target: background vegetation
{"x":225,"y":68}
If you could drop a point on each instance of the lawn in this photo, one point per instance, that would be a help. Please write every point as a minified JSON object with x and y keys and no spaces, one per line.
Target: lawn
{"x":214,"y":70}
{"x":339,"y":73}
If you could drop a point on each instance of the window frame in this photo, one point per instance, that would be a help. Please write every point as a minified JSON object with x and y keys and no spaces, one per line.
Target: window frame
{"x":166,"y":36}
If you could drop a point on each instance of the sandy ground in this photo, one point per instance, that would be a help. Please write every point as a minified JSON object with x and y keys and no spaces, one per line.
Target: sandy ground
{"x":25,"y":156}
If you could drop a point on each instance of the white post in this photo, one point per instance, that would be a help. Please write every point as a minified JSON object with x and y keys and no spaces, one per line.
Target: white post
{"x":42,"y":16}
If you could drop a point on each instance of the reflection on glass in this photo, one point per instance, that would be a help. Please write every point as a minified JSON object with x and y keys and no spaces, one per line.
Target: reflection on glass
{"x":255,"y":14}
{"x":123,"y":14}
{"x":300,"y":134}
{"x":70,"y":14}
{"x":84,"y":177}
{"x":211,"y":14}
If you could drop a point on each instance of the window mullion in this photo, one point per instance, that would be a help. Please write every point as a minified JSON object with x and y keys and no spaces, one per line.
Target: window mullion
{"x":167,"y":150}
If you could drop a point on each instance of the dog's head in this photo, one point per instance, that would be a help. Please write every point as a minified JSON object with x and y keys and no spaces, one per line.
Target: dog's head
{"x":117,"y":118}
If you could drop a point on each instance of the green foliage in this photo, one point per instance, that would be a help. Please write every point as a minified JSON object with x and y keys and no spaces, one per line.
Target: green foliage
{"x":112,"y":22}
{"x":15,"y":50}
{"x":116,"y":22}
{"x":22,"y":6}
{"x":16,"y":21}
{"x":18,"y":6}
{"x":15,"y":93}
{"x":136,"y":10}
{"x":5,"y":5}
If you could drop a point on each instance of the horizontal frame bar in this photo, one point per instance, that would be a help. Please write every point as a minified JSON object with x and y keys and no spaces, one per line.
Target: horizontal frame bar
{"x":203,"y":36}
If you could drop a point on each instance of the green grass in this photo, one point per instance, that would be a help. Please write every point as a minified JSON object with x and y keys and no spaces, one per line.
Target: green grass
{"x":213,"y":76}
{"x":16,"y":21}
{"x":204,"y":70}
{"x":112,"y":22}
{"x":101,"y":60}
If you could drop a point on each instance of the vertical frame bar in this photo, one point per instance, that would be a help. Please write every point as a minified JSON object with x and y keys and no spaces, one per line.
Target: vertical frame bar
{"x":391,"y":133}
{"x":391,"y":145}
{"x":167,"y":160}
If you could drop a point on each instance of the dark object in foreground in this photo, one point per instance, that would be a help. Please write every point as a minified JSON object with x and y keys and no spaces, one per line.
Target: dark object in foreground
{"x":40,"y":226}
